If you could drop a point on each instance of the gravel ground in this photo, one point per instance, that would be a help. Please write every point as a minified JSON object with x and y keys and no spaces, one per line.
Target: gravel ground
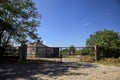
{"x":59,"y":71}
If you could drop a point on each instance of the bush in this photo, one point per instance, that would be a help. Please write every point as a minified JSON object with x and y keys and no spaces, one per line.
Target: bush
{"x":86,"y":59}
{"x":87,"y":51}
{"x":110,"y":61}
{"x":109,"y":52}
{"x":119,"y":59}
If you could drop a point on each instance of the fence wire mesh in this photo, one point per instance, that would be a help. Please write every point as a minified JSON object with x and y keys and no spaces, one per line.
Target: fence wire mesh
{"x":65,"y":54}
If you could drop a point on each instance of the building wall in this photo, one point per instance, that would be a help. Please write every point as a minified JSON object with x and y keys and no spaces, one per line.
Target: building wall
{"x":31,"y":51}
{"x":38,"y":50}
{"x":44,"y":52}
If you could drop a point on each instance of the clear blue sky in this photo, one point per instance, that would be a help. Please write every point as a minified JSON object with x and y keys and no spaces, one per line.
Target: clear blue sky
{"x":67,"y":22}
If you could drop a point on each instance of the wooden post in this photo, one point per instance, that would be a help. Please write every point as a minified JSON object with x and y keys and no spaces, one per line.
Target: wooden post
{"x":97,"y":54}
{"x":60,"y":56}
{"x":46,"y":52}
{"x":23,"y":53}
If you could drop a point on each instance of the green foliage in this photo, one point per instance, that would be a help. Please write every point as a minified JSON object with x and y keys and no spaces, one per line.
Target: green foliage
{"x":65,"y":51}
{"x":107,"y":38}
{"x":87,"y":51}
{"x":18,"y":21}
{"x":109,"y":52}
{"x":78,"y":52}
{"x":72,"y":49}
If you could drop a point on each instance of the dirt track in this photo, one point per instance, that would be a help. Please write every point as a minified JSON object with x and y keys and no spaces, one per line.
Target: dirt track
{"x":61,"y":71}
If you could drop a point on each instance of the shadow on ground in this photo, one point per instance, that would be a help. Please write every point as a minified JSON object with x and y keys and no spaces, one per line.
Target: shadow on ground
{"x":27,"y":71}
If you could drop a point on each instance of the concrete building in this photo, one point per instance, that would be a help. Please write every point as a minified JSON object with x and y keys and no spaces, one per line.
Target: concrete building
{"x":38,"y":50}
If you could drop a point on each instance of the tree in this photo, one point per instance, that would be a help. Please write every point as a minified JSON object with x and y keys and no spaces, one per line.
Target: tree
{"x":65,"y":51}
{"x":107,"y":38}
{"x":18,"y":21}
{"x":78,"y":52}
{"x":72,"y":49}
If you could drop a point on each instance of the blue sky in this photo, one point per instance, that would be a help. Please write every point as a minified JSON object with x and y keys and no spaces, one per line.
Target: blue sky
{"x":70,"y":22}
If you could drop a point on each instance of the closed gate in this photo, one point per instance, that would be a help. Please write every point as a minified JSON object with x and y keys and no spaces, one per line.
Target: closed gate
{"x":65,"y":54}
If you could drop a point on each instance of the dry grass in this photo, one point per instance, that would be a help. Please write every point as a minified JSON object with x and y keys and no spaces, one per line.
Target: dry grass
{"x":105,"y":61}
{"x":87,"y":59}
{"x":110,"y":61}
{"x":69,"y":56}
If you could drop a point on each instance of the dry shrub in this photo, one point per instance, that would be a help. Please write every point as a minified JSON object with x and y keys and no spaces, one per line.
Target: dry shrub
{"x":110,"y":61}
{"x":87,"y":58}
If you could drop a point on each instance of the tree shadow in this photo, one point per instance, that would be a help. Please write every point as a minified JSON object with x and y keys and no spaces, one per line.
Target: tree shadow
{"x":27,"y":71}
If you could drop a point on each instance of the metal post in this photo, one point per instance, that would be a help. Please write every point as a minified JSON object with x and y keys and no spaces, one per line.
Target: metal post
{"x":97,"y":54}
{"x":60,"y":56}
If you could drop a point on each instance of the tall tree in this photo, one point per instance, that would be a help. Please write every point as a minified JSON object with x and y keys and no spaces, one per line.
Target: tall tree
{"x":107,"y":38}
{"x":18,"y":21}
{"x":72,"y":49}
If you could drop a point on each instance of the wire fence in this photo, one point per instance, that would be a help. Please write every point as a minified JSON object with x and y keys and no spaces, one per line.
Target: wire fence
{"x":65,"y":54}
{"x":10,"y":51}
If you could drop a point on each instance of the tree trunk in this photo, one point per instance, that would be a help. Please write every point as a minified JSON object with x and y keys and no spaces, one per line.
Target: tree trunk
{"x":6,"y":43}
{"x":1,"y":47}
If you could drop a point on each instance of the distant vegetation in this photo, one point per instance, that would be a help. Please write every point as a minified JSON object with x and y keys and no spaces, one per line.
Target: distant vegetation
{"x":70,"y":50}
{"x":107,"y":38}
{"x":108,"y":42}
{"x":78,"y":50}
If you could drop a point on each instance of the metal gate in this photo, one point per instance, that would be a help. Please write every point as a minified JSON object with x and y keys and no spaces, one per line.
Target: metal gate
{"x":65,"y":54}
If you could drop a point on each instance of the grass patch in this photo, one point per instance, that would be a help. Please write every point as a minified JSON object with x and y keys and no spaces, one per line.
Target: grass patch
{"x":110,"y":61}
{"x":87,"y":59}
{"x":71,"y":56}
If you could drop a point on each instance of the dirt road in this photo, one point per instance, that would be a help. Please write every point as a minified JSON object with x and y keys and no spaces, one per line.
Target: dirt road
{"x":61,"y":71}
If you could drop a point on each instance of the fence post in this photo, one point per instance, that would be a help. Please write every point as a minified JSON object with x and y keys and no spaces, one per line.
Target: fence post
{"x":23,"y":53}
{"x":46,"y":52}
{"x":97,"y":53}
{"x":60,"y":55}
